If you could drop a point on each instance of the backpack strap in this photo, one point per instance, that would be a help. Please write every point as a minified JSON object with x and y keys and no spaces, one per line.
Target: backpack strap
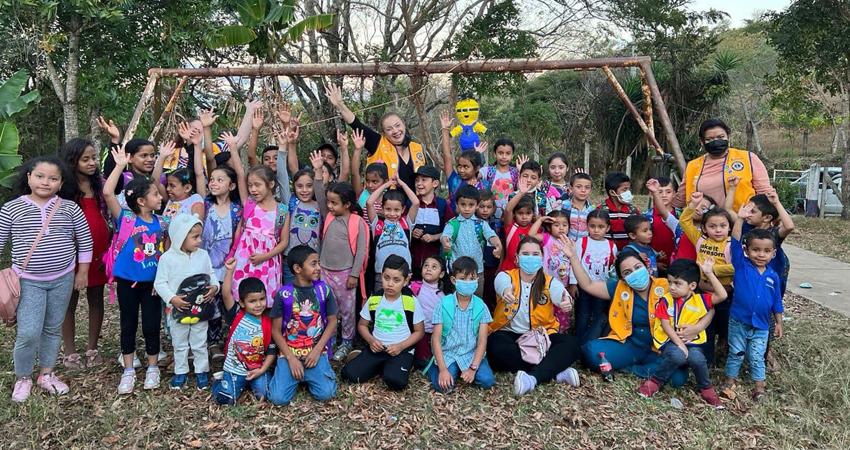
{"x":322,"y":290}
{"x":511,"y":233}
{"x":125,"y":231}
{"x":250,"y":205}
{"x":354,"y":222}
{"x":611,"y":248}
{"x":286,"y":293}
{"x":416,"y":287}
{"x":280,"y":220}
{"x":409,"y":306}
{"x":266,"y":325}
{"x":583,"y":247}
{"x":233,"y":326}
{"x":442,"y":205}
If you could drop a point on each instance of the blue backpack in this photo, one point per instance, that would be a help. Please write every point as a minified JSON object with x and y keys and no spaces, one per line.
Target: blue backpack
{"x":287,"y":294}
{"x":447,"y":305}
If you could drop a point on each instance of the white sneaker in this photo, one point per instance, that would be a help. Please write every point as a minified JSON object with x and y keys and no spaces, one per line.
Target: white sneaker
{"x":569,"y":376}
{"x":523,"y":383}
{"x":136,"y":362}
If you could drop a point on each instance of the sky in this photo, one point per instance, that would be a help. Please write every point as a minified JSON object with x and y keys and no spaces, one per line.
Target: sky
{"x":740,"y":10}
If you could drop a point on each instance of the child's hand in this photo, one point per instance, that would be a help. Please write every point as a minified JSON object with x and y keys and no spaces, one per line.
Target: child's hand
{"x":568,"y":247}
{"x":445,"y":380}
{"x":696,"y":197}
{"x":258,"y":258}
{"x":257,"y":120}
{"x":121,"y":157}
{"x":292,"y":134}
{"x":296,"y":369}
{"x":468,"y":375}
{"x":351,"y":282}
{"x":546,"y":219}
{"x":687,"y":333}
{"x":197,"y":137}
{"x":167,"y":149}
{"x":520,"y":160}
{"x":417,"y":233}
{"x":81,"y":280}
{"x":481,"y":147}
{"x":394,"y":349}
{"x":295,"y":122}
{"x":230,"y":140}
{"x":256,"y":373}
{"x":284,"y":114}
{"x":179,"y":302}
{"x":110,"y":128}
{"x":316,"y":161}
{"x":446,"y":120}
{"x":342,"y":140}
{"x":207,"y":117}
{"x":523,"y":185}
{"x":359,"y":139}
{"x":447,"y":243}
{"x":652,"y":185}
{"x":312,"y":358}
{"x":557,"y":204}
{"x":684,"y":349}
{"x":211,"y":291}
{"x":773,"y":197}
{"x":707,"y":266}
{"x":184,"y":130}
{"x":777,"y":331}
{"x":377,"y":346}
{"x":733,"y":181}
{"x":661,"y":255}
{"x":573,"y":290}
{"x":746,"y":211}
{"x":230,"y":264}
{"x":580,"y":170}
{"x":498,"y":251}
{"x":253,"y":104}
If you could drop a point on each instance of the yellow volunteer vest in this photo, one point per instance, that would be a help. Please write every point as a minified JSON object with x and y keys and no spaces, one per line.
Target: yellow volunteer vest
{"x":542,"y":315}
{"x":387,"y":154}
{"x":622,"y":303}
{"x":692,"y":310}
{"x":738,"y":163}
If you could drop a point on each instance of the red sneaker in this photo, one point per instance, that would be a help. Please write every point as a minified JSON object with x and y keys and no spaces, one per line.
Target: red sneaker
{"x":649,"y":388}
{"x":710,"y":396}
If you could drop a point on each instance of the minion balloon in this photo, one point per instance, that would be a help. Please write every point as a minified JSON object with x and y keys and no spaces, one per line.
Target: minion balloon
{"x":470,"y":127}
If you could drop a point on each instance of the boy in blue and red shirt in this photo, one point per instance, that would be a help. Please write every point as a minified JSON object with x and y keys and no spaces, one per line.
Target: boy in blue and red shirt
{"x":618,"y":206}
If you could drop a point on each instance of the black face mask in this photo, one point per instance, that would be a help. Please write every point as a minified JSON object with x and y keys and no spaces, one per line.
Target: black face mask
{"x":717,"y":147}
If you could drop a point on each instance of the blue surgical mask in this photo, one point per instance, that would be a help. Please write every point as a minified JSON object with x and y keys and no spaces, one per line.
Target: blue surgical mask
{"x":626,"y":197}
{"x":530,"y":264}
{"x":466,"y":287}
{"x":639,"y":279}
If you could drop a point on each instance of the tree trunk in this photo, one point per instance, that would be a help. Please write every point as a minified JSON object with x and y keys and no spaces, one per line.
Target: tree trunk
{"x":805,"y":142}
{"x":845,"y":166}
{"x":750,"y":136}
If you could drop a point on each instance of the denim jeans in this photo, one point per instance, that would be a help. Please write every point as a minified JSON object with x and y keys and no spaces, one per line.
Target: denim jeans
{"x":630,"y":356}
{"x":746,"y":340}
{"x":320,"y":379}
{"x":227,"y":390}
{"x":483,"y":376}
{"x":591,"y":317}
{"x":674,"y":358}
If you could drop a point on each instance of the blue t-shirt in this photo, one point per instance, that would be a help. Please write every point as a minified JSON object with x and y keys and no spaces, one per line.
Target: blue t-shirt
{"x":138,"y":260}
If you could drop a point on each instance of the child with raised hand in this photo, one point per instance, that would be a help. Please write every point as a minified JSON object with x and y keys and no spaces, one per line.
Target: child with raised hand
{"x":87,"y":192}
{"x":345,"y":253}
{"x":391,"y":234}
{"x":134,"y":268}
{"x":376,"y":174}
{"x":304,"y":319}
{"x":558,"y":168}
{"x":141,"y":161}
{"x":639,"y":230}
{"x":263,"y":233}
{"x":663,"y":218}
{"x":466,"y":234}
{"x":619,"y":206}
{"x":597,"y":255}
{"x":555,"y":262}
{"x":518,"y":218}
{"x":468,"y":163}
{"x":184,"y":260}
{"x":502,"y":177}
{"x":579,"y":205}
{"x":183,"y":195}
{"x":306,"y":216}
{"x":546,"y":198}
{"x":48,"y":236}
{"x":246,"y":362}
{"x":486,"y":212}
{"x":461,"y":325}
{"x":390,"y":341}
{"x":429,"y":292}
{"x":758,"y":291}
{"x":433,"y":214}
{"x":678,"y":328}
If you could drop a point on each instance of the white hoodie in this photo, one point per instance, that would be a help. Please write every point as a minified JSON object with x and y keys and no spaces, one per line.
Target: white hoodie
{"x":175,"y":265}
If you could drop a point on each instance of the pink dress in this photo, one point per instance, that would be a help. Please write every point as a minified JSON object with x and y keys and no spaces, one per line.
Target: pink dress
{"x":258,"y":237}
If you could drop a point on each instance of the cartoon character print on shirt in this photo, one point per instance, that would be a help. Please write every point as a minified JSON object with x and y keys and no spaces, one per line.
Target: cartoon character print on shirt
{"x":250,"y":353}
{"x":597,"y":264}
{"x":390,"y":234}
{"x":171,"y":210}
{"x":148,"y":247}
{"x":388,"y":320}
{"x":558,"y":261}
{"x":305,"y":327}
{"x":305,"y":222}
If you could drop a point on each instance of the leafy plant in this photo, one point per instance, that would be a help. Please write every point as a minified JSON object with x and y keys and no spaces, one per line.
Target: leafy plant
{"x":787,"y":193}
{"x":12,"y":106}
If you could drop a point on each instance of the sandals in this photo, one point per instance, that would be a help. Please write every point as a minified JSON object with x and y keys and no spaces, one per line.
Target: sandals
{"x":73,"y":362}
{"x":93,"y":358}
{"x":758,"y":396}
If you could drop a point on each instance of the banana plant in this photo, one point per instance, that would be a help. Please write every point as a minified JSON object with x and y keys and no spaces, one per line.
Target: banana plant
{"x":265,"y":26}
{"x":12,"y":106}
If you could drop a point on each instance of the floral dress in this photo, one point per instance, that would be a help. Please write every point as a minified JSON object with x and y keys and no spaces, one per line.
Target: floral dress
{"x":258,"y":237}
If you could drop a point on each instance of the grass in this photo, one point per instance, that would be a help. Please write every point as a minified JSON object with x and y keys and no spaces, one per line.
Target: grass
{"x":829,"y":236}
{"x":808,"y":406}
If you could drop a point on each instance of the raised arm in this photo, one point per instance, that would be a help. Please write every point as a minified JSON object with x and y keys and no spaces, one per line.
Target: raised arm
{"x":121,"y":159}
{"x":709,"y":270}
{"x":164,"y":150}
{"x":729,"y":203}
{"x":446,"y":122}
{"x":254,"y":140}
{"x":208,"y":118}
{"x":523,"y":186}
{"x":373,"y":197}
{"x":359,"y":143}
{"x":244,"y":132}
{"x":786,"y":224}
{"x":344,"y":162}
{"x":686,"y":219}
{"x":414,"y":200}
{"x":334,"y":95}
{"x":743,"y":214}
{"x":653,"y":186}
{"x":534,"y":231}
{"x":227,"y":284}
{"x":236,"y":163}
{"x":319,"y":183}
{"x":598,"y":289}
{"x":282,"y":172}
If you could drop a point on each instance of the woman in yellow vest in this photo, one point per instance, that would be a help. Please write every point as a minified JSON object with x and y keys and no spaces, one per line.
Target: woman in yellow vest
{"x":709,"y":173}
{"x":392,"y":145}
{"x":634,"y":296}
{"x":526,"y":298}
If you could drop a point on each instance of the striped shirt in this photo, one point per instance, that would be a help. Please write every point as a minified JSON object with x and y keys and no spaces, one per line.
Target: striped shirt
{"x":617,"y":231}
{"x":462,"y":340}
{"x":65,"y":241}
{"x":578,"y":218}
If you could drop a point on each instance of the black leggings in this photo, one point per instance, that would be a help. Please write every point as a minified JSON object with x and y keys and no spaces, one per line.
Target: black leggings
{"x":130,"y":299}
{"x":394,"y":370}
{"x":504,"y":356}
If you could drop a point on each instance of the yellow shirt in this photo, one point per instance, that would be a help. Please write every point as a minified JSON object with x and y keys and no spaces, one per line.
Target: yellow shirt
{"x":708,"y":248}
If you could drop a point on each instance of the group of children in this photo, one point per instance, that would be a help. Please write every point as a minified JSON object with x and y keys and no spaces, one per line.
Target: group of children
{"x":280,"y":253}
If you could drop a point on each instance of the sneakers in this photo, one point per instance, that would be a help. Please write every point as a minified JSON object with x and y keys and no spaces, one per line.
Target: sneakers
{"x":569,"y":376}
{"x":710,"y":396}
{"x":152,"y":378}
{"x":51,"y":384}
{"x":342,"y":351}
{"x":203,"y":380}
{"x":136,"y":362}
{"x":93,"y":358}
{"x":524,"y":383}
{"x":73,"y":362}
{"x":22,"y":389}
{"x":178,"y":381}
{"x":128,"y":379}
{"x":649,"y":388}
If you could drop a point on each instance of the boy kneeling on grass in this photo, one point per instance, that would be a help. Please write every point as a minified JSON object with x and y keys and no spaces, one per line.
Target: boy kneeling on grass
{"x":678,"y":327}
{"x":397,"y":324}
{"x":459,"y":339}
{"x":304,"y":318}
{"x":250,"y":351}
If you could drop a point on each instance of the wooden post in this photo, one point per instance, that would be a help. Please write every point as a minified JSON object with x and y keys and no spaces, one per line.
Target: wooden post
{"x":140,"y":108}
{"x":821,"y":190}
{"x":629,"y":166}
{"x":587,"y":157}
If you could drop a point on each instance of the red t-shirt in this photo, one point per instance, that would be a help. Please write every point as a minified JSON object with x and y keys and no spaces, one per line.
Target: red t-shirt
{"x":663,"y":239}
{"x":511,"y":242}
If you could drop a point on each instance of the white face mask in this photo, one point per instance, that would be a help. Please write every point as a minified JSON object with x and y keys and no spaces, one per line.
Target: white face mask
{"x":626,"y":197}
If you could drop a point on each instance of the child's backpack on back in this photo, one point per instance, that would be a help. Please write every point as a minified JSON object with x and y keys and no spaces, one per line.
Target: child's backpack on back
{"x":354,"y":223}
{"x":454,"y":223}
{"x":125,"y":230}
{"x":287,"y":295}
